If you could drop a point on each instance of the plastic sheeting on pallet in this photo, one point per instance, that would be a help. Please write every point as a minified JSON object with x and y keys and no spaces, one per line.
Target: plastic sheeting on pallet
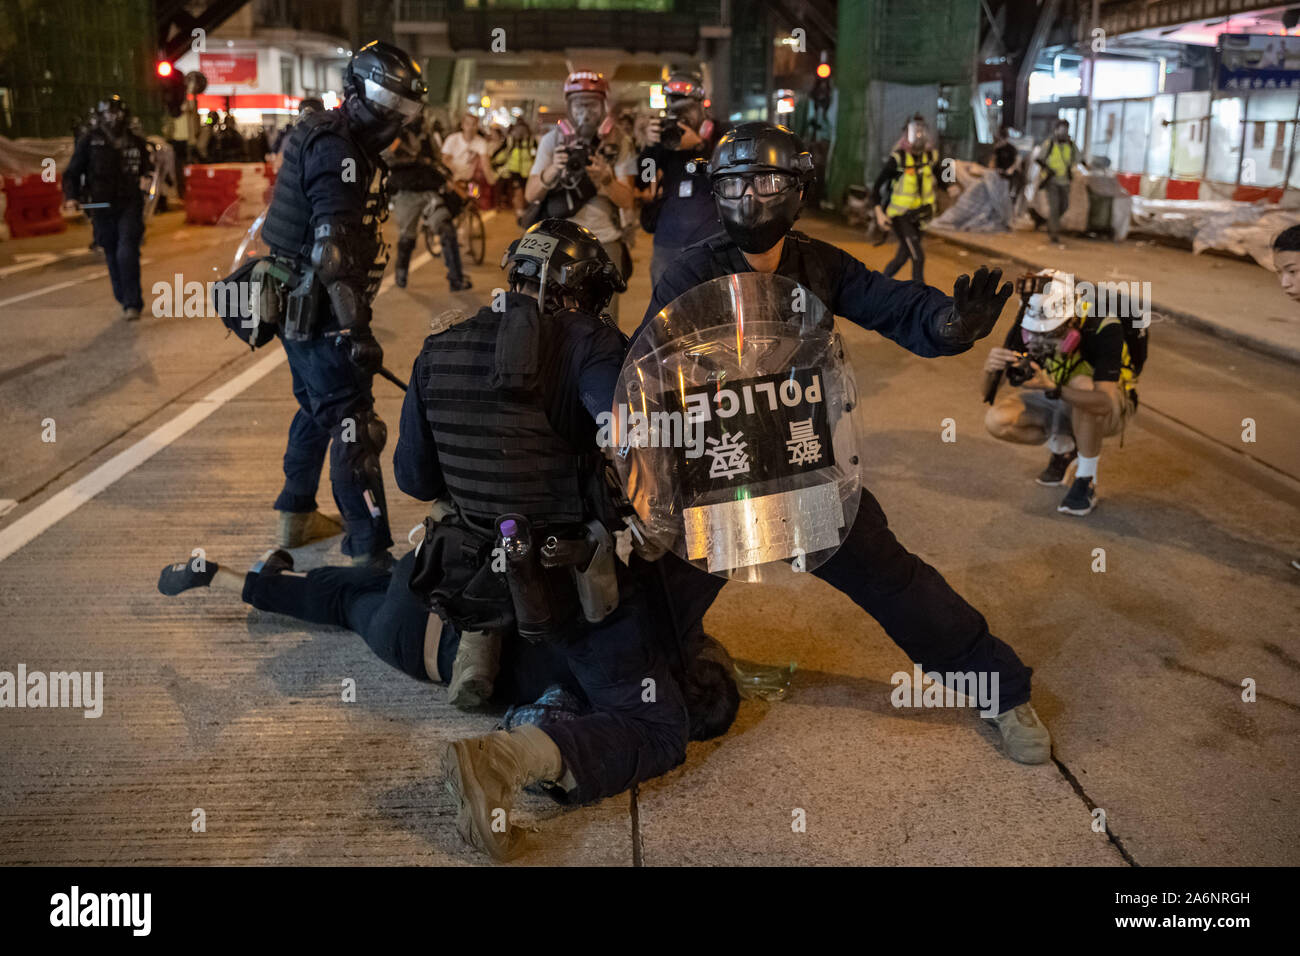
{"x":1238,"y":228}
{"x":983,"y":206}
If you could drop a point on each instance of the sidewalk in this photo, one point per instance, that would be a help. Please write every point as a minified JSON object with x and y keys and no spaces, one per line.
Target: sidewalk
{"x":1231,"y":298}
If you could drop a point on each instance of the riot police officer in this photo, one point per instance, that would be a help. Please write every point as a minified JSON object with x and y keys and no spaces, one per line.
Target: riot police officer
{"x":324,"y":221}
{"x":106,"y":173}
{"x":500,"y":421}
{"x":758,"y":174}
{"x":416,"y":175}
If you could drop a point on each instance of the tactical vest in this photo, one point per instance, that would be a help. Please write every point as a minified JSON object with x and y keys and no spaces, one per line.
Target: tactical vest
{"x":914,"y":187}
{"x":806,"y":267}
{"x":113,"y":174}
{"x":497,"y":449}
{"x":287,"y":229}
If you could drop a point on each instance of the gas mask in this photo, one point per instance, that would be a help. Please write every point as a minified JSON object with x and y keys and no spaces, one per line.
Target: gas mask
{"x":916,"y":136}
{"x":586,"y":111}
{"x":757,"y":222}
{"x":113,"y":121}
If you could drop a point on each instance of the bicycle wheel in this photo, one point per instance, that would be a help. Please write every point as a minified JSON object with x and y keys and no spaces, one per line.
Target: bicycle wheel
{"x":475,"y":236}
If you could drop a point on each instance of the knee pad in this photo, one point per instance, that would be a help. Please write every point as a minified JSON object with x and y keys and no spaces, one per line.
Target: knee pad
{"x":362,"y":443}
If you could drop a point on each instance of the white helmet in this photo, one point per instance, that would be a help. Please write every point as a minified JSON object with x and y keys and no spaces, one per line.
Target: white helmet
{"x":1054,"y":306}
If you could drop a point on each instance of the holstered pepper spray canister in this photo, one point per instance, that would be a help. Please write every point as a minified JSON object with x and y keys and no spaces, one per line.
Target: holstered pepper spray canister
{"x":524,"y":577}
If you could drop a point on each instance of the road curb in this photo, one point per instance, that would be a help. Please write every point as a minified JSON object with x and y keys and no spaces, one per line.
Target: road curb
{"x":1254,"y":343}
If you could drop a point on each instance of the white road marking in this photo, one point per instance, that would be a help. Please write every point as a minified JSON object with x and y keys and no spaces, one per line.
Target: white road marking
{"x":7,"y":505}
{"x":49,"y":512}
{"x":98,"y":274}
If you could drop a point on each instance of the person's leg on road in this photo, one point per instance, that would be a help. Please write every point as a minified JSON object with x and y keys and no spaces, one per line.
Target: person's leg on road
{"x":104,"y":225}
{"x":917,"y":608}
{"x":304,"y":455}
{"x":130,"y":233}
{"x":903,"y":253}
{"x":340,"y":402}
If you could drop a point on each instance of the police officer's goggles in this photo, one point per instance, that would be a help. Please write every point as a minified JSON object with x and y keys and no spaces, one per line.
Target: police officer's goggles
{"x":733,"y":185}
{"x":382,"y":96}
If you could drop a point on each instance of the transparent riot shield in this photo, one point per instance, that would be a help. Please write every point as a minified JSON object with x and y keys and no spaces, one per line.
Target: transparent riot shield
{"x":252,"y":245}
{"x":732,"y":429}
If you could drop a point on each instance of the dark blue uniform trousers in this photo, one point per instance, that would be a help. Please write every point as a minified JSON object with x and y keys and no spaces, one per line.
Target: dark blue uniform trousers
{"x":917,"y":608}
{"x":329,"y":389}
{"x":119,"y":230}
{"x":638,"y":727}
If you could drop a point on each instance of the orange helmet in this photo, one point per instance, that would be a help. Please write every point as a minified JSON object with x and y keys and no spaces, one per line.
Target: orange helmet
{"x":586,"y":81}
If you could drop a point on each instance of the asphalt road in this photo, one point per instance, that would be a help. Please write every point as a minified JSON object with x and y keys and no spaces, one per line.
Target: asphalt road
{"x":168,"y":437}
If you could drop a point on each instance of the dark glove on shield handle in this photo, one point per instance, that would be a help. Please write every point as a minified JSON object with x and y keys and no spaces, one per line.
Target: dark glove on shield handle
{"x":976,"y":305}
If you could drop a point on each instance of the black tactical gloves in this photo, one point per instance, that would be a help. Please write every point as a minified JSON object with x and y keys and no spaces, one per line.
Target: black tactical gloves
{"x":977,"y":304}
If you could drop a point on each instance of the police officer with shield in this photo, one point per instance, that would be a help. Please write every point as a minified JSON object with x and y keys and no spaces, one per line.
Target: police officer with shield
{"x":324,"y":225}
{"x":499,"y":426}
{"x":758,"y":174}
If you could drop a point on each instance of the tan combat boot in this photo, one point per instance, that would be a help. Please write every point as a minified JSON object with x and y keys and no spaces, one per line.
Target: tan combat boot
{"x":1024,"y":735}
{"x":475,"y":671}
{"x":300,"y":527}
{"x":485,"y":774}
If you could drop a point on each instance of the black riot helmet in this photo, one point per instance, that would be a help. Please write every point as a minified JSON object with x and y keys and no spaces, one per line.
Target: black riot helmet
{"x":112,"y":113}
{"x":564,"y":258}
{"x":758,"y":173}
{"x":383,"y":91}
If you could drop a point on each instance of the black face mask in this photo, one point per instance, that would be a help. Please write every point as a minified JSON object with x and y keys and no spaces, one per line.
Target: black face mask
{"x":756,"y":225}
{"x":375,"y":131}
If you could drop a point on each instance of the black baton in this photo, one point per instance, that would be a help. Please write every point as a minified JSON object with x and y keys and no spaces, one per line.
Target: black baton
{"x":392,"y":378}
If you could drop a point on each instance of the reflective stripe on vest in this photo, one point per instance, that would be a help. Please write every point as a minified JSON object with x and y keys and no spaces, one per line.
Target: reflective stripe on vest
{"x":914,"y":186}
{"x":496,"y":448}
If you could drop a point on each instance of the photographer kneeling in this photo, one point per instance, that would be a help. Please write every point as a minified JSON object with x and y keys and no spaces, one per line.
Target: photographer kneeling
{"x":1074,"y":384}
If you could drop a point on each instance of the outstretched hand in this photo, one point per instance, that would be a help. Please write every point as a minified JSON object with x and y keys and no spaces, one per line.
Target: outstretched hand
{"x":977,"y":304}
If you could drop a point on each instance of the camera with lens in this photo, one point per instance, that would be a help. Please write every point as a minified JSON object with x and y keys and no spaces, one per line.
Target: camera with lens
{"x":579,"y":157}
{"x":670,"y":132}
{"x":1020,"y":371}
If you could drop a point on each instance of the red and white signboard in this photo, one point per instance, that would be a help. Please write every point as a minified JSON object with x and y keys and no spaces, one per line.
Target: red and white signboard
{"x":229,"y":68}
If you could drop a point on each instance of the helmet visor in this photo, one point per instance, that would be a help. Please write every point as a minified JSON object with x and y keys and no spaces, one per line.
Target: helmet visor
{"x":407,"y":108}
{"x":733,"y":185}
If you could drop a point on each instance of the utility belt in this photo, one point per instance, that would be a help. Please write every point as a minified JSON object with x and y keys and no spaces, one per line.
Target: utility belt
{"x":252,"y":300}
{"x":537,"y":579}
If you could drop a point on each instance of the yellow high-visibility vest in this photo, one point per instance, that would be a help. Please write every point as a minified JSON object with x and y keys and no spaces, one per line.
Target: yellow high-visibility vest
{"x":914,"y":187}
{"x":1060,"y":159}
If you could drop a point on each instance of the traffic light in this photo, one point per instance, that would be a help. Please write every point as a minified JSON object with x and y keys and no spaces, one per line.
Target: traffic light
{"x":824,"y":71}
{"x":172,"y":84}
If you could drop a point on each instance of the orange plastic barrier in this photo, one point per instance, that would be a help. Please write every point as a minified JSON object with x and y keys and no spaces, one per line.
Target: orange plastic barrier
{"x":32,"y":206}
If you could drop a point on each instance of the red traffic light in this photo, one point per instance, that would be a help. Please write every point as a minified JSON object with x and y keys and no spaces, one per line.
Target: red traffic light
{"x":165,"y":69}
{"x":823,"y":70}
